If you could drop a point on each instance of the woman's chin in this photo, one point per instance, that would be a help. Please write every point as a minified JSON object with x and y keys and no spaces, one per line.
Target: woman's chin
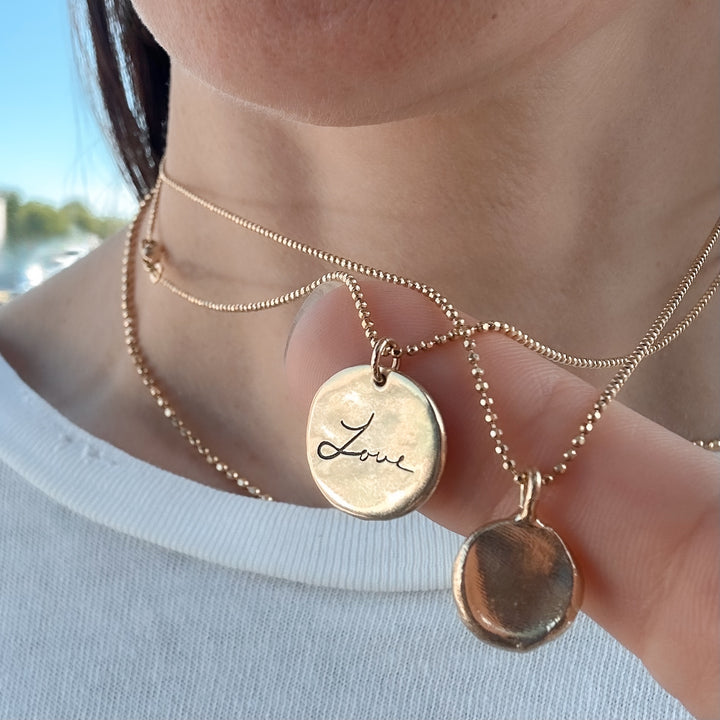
{"x":360,"y":62}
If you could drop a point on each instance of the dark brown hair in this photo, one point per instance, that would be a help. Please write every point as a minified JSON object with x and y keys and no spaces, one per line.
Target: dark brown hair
{"x":132,"y":73}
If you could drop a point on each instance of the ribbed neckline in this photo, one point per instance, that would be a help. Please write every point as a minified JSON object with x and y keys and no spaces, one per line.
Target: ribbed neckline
{"x":309,"y":545}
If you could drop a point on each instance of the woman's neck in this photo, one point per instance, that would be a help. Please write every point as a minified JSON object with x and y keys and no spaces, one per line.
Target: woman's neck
{"x":592,"y":182}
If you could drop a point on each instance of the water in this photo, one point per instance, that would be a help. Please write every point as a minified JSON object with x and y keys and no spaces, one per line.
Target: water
{"x":23,"y":265}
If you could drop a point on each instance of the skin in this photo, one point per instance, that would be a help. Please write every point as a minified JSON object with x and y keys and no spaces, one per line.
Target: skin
{"x":551,"y":164}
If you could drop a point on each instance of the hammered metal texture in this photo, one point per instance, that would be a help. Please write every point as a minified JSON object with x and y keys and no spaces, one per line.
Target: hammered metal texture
{"x":376,"y":452}
{"x":515,"y":584}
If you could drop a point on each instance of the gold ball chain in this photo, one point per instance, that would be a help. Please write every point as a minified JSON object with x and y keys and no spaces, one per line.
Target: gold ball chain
{"x":132,"y":343}
{"x":611,"y":389}
{"x":152,"y":253}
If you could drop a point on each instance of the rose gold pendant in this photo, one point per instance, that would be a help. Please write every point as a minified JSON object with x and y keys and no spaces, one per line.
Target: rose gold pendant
{"x":515,"y":582}
{"x":375,"y":441}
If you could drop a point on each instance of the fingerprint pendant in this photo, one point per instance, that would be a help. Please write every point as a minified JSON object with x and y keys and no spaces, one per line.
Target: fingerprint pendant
{"x":515,"y":583}
{"x":375,"y":450}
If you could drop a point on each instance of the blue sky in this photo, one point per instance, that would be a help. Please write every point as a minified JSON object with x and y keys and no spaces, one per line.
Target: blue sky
{"x":51,"y":148}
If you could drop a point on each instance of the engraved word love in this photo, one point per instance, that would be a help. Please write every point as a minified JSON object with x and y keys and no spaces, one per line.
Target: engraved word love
{"x":328,"y":451}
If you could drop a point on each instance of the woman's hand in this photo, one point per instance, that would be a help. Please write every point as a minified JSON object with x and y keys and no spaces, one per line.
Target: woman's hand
{"x":639,"y":507}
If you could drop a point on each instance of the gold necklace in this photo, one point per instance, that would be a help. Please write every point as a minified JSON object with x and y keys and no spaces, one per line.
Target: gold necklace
{"x":152,"y":253}
{"x":500,"y":564}
{"x":153,"y":258}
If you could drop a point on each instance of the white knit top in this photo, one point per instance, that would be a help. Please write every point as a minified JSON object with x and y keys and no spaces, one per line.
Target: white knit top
{"x":130,"y":592}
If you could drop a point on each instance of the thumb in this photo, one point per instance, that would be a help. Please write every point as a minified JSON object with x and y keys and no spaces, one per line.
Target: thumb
{"x":639,"y":507}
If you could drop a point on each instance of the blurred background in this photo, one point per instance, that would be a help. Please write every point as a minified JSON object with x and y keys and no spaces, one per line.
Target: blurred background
{"x":60,"y":190}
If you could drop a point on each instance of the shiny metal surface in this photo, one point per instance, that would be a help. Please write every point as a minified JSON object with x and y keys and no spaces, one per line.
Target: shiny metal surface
{"x":515,"y":584}
{"x":375,"y":451}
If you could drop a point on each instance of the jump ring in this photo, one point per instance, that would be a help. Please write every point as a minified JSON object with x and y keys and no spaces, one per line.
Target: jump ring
{"x":384,"y":347}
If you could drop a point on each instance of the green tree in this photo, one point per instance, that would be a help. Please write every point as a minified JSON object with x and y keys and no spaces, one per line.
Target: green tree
{"x":78,"y":216}
{"x":109,"y":225}
{"x":35,"y":220}
{"x":32,"y":221}
{"x":12,"y":207}
{"x":82,"y":219}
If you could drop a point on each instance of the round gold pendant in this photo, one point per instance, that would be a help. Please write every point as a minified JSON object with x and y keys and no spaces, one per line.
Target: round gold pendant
{"x":376,"y":451}
{"x":515,"y":583}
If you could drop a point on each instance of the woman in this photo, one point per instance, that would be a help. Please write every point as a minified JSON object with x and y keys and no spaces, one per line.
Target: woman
{"x":553,"y":165}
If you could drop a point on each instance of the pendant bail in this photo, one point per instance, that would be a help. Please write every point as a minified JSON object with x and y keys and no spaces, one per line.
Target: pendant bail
{"x":530,"y":484}
{"x":386,"y":346}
